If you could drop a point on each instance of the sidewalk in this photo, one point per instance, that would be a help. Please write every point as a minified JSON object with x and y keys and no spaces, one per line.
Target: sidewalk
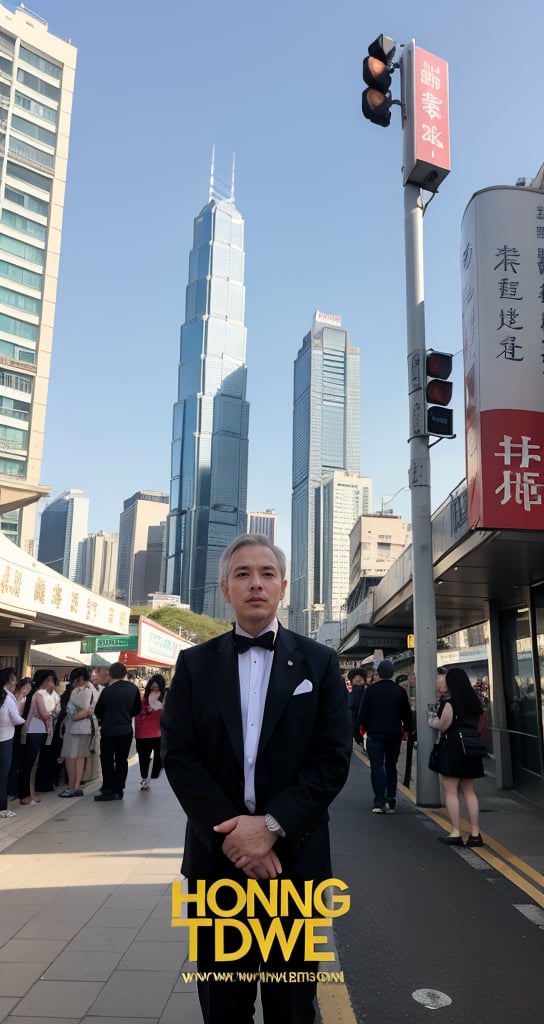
{"x":85,"y":905}
{"x":85,"y":908}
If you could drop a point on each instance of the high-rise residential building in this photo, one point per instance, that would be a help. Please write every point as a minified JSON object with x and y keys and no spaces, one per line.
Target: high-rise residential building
{"x":344,"y":498}
{"x":36,"y":87}
{"x":98,"y":563}
{"x":210,"y":425}
{"x":265,"y":523}
{"x":63,"y":526}
{"x":326,"y":437}
{"x":141,"y":512}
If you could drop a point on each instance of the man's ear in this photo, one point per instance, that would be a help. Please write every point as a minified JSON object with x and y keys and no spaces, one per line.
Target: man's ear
{"x":283,"y":588}
{"x":225,"y":591}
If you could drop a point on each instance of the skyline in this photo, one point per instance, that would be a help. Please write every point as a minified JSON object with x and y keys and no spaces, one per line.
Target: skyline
{"x":323,"y":230}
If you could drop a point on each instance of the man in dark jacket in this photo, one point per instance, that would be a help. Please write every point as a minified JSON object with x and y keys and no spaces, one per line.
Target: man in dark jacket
{"x":385,"y":715}
{"x":115,"y":708}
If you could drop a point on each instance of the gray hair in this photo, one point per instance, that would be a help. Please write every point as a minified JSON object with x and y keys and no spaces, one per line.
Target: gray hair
{"x":250,"y":540}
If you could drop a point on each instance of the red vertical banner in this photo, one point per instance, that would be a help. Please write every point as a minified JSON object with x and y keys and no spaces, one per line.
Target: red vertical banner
{"x":431,"y":110}
{"x":427,"y":125}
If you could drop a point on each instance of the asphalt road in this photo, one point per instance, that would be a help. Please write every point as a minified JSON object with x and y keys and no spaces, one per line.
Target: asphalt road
{"x":427,"y":917}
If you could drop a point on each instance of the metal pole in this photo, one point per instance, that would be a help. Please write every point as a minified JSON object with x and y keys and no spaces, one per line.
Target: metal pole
{"x":427,"y":790}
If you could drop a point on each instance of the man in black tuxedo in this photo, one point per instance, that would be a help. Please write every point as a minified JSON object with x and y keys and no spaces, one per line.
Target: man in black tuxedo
{"x":256,"y":745}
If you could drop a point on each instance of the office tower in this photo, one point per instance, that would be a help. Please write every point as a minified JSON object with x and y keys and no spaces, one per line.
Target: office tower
{"x":36,"y":86}
{"x":263,"y":522}
{"x":344,"y":498}
{"x":63,"y":526}
{"x":375,"y":542}
{"x":142,"y":511}
{"x":326,"y":437}
{"x":98,"y":563}
{"x":210,"y":424}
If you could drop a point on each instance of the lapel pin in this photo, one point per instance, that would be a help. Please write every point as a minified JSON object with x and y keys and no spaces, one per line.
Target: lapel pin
{"x":290,"y":663}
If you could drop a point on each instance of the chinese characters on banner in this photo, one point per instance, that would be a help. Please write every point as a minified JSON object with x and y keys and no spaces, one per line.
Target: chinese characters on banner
{"x":502,"y":269}
{"x":28,"y":587}
{"x":426,"y":129}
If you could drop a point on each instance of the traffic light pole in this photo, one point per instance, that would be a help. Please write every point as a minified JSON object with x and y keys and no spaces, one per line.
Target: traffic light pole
{"x":427,"y":787}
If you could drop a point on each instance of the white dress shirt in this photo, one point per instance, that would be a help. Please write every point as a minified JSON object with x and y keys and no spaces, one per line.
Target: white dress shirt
{"x":254,"y":667}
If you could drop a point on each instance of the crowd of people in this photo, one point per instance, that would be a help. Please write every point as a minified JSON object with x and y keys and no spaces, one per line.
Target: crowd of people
{"x":59,"y":735}
{"x":383,"y":714}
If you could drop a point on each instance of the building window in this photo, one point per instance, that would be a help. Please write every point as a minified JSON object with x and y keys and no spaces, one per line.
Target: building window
{"x":24,"y":302}
{"x":39,"y":109}
{"x":15,"y":273}
{"x":16,"y":381}
{"x":22,"y":249}
{"x":53,"y":70}
{"x":29,"y":202}
{"x":35,"y":131}
{"x":26,"y":152}
{"x":24,"y":225}
{"x":36,"y":84}
{"x":24,"y":174}
{"x":10,"y":437}
{"x":11,"y":407}
{"x":12,"y":468}
{"x":20,"y":328}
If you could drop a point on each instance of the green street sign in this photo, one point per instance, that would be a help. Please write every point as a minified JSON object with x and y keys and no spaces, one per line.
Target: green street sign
{"x":100,"y":644}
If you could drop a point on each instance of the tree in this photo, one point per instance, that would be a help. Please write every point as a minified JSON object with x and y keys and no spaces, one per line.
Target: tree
{"x":187,"y":624}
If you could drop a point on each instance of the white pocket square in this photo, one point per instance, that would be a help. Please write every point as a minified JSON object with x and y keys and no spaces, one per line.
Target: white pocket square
{"x":304,"y":687}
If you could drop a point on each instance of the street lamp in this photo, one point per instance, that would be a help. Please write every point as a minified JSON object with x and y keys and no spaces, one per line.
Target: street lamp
{"x":389,"y":497}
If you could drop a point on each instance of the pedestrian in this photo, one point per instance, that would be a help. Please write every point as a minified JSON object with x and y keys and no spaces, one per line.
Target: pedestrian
{"x":456,"y":719}
{"x":10,"y":717}
{"x":385,"y":716}
{"x":37,"y":732}
{"x":147,"y":729}
{"x":256,"y":745}
{"x":357,"y":676}
{"x":78,"y":730}
{"x":115,"y":708}
{"x":101,"y":677}
{"x":21,"y":692}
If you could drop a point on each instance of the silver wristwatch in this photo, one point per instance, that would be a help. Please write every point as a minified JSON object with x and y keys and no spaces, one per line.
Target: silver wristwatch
{"x":271,"y":824}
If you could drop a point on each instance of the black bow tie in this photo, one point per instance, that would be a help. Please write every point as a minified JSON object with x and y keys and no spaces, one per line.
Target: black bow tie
{"x":243,"y":643}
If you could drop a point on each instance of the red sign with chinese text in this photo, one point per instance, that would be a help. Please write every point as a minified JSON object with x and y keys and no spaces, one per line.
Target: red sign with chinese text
{"x":431,"y":110}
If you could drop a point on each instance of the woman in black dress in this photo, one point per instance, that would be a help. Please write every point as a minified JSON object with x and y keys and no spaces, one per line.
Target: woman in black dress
{"x":461,"y":709}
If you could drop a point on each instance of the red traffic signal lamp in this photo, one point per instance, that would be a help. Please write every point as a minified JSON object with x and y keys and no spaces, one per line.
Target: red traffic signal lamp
{"x":377,"y":69}
{"x":438,"y":393}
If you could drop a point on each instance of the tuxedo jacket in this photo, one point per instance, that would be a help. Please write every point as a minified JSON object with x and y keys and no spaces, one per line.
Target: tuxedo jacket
{"x":302,"y":759}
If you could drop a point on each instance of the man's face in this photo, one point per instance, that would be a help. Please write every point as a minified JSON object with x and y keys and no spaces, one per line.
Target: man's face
{"x":358,"y":681}
{"x":102,"y":676}
{"x":254,"y":587}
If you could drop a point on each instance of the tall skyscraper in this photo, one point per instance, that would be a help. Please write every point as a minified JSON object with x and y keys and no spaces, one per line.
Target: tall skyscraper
{"x":36,"y":86}
{"x":345,"y":497}
{"x":264,"y":523}
{"x":326,"y":437}
{"x":210,"y":428}
{"x":98,"y":563}
{"x":63,"y":526}
{"x":137,"y":544}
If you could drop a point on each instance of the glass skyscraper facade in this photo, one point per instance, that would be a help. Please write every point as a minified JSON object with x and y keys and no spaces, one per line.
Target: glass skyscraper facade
{"x":36,"y":87}
{"x":326,"y":437}
{"x":208,"y":495}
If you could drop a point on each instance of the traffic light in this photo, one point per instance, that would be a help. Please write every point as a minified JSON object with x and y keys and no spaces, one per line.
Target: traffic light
{"x":377,"y":69}
{"x":438,"y":392}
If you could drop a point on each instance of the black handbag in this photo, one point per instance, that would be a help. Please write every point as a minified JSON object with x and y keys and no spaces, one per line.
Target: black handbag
{"x":472,"y":743}
{"x":434,"y":758}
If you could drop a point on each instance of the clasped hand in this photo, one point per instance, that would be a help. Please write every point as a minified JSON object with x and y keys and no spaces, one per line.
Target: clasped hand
{"x":248,"y":844}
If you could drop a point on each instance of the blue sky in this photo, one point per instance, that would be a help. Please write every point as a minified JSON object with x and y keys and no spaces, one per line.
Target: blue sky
{"x":321,"y":193}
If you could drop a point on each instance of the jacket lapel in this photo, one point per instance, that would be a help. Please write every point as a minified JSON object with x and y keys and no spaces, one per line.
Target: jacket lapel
{"x":284,"y":677}
{"x":227,"y":689}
